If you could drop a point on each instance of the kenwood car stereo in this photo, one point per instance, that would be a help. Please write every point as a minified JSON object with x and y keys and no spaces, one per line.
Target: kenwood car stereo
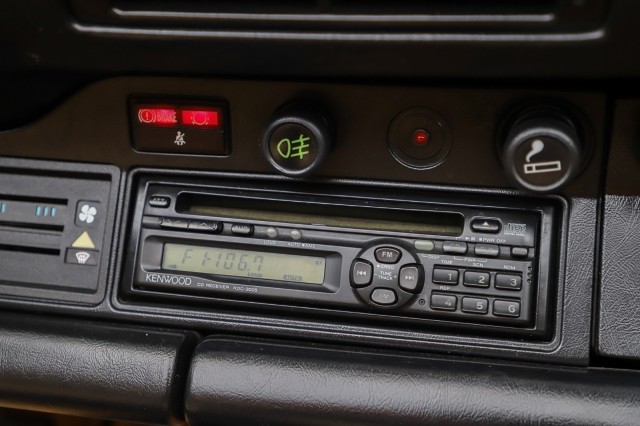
{"x":419,"y":258}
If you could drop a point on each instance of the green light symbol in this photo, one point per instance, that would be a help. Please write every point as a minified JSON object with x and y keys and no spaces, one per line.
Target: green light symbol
{"x":297,"y":148}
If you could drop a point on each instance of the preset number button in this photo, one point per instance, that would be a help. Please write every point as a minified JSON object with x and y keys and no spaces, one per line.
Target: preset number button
{"x":508,"y":282}
{"x":473,"y":305}
{"x":445,"y":276}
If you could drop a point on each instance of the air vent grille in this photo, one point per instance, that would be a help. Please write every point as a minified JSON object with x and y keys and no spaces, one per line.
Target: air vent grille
{"x":348,"y":15}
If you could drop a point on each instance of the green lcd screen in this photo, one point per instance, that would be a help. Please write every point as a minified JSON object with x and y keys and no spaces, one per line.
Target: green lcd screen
{"x":244,"y":263}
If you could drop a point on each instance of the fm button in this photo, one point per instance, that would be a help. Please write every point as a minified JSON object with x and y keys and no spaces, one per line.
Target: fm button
{"x":387,"y":255}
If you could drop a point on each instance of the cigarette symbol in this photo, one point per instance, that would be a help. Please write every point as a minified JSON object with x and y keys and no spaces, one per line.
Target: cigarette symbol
{"x":537,"y":147}
{"x":542,"y":167}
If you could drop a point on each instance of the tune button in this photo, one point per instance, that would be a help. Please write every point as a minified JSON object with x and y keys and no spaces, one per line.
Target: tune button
{"x":384,"y":296}
{"x":411,"y":278}
{"x":387,"y":255}
{"x":361,"y":273}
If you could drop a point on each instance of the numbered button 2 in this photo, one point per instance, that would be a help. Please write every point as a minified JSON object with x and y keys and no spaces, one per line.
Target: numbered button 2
{"x":472,"y":305}
{"x":477,"y":279}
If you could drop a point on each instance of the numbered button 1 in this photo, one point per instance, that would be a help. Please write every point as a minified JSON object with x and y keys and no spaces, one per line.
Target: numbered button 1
{"x":506,"y":308}
{"x":508,"y":282}
{"x":472,"y":305}
{"x":444,"y":302}
{"x":445,"y":276}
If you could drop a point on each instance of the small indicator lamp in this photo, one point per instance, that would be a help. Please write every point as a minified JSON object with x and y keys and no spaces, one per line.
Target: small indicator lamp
{"x":420,"y":137}
{"x":209,"y":118}
{"x":157,"y":116}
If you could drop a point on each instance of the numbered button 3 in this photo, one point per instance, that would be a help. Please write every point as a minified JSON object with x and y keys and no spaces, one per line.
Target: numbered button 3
{"x":508,"y":282}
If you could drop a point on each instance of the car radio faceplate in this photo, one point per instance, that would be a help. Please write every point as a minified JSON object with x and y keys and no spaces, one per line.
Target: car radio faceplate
{"x":427,"y":260}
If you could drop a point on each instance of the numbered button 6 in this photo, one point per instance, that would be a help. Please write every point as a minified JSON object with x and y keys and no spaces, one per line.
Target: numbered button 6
{"x":506,"y":308}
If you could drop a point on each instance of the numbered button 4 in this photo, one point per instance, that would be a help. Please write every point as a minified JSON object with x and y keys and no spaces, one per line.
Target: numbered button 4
{"x":444,"y":302}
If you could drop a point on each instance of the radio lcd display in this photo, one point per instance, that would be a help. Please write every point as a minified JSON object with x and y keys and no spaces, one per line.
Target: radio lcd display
{"x":244,"y":263}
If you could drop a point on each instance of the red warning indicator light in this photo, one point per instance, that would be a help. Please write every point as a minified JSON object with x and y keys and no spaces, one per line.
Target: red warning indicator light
{"x":158,"y":116}
{"x":209,"y":118}
{"x":420,"y":137}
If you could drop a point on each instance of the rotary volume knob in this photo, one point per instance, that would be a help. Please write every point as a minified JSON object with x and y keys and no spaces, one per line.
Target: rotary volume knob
{"x":298,"y":139}
{"x":542,"y":151}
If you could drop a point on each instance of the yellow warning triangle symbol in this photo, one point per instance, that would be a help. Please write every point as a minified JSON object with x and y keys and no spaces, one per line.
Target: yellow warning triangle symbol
{"x":84,"y":241}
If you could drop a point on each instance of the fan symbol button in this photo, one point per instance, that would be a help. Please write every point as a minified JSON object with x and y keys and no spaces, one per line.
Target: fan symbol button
{"x":87,"y":213}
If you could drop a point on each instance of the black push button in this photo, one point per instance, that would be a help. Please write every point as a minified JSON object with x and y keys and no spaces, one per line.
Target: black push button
{"x":454,"y":247}
{"x":409,"y":278}
{"x":82,"y":257}
{"x":506,"y":308}
{"x":519,"y":252}
{"x":210,"y":226}
{"x":384,"y":296}
{"x":159,"y":201}
{"x":486,"y":226}
{"x":445,"y":276}
{"x":476,"y":279}
{"x":387,"y":255}
{"x":243,"y":230}
{"x":508,"y":282}
{"x":88,"y":213}
{"x":487,"y":250}
{"x":472,"y":305}
{"x":172,"y":223}
{"x":151,"y":221}
{"x":444,"y":302}
{"x":361,"y":273}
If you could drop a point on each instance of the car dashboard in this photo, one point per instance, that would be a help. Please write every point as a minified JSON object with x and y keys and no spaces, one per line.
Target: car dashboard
{"x":320,"y":212}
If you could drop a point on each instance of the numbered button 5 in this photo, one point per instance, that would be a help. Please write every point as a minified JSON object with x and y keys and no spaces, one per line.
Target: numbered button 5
{"x":474,"y":305}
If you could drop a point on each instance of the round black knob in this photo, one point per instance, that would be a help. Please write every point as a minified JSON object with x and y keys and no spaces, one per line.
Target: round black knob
{"x":542,"y":150}
{"x":298,"y":139}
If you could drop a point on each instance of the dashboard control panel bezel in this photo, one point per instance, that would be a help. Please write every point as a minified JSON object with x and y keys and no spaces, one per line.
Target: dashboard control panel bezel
{"x":521,"y":247}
